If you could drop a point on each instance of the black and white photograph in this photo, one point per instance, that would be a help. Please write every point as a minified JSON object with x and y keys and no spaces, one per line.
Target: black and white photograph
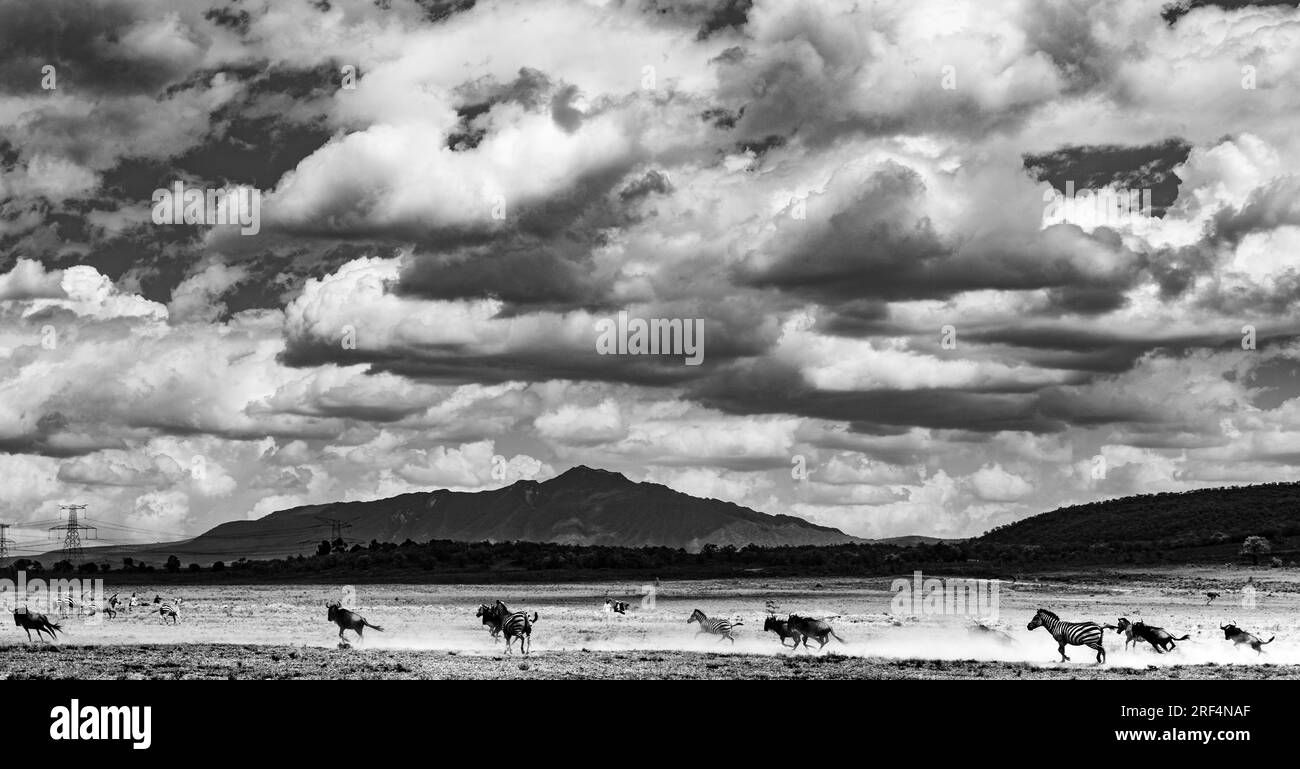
{"x":725,"y":340}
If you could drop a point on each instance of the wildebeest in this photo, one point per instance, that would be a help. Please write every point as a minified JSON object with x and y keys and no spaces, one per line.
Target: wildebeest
{"x":1160,"y":639}
{"x":38,"y":622}
{"x":491,"y":620}
{"x":348,"y":620}
{"x":980,"y":630}
{"x":719,"y":627}
{"x":617,"y":607}
{"x":782,"y":628}
{"x":809,"y":627}
{"x":1238,"y":636}
{"x":1209,"y":598}
{"x":1071,"y":633}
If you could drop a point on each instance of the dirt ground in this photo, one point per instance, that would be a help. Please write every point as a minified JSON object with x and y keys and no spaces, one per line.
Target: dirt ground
{"x":431,"y":631}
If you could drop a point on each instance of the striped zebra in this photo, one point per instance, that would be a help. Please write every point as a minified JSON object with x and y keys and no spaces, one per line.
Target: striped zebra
{"x":132,"y":602}
{"x":514,"y":625}
{"x":1072,"y":633}
{"x":170,"y":609}
{"x":718,"y":627}
{"x":65,"y":605}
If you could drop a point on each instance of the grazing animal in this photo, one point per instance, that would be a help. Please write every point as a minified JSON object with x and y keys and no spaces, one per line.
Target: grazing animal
{"x":348,"y":620}
{"x":808,"y":627}
{"x":511,"y":625}
{"x":980,"y":630}
{"x":1209,"y":598}
{"x":617,"y":607}
{"x":1071,"y":633}
{"x":132,"y":602}
{"x":38,"y":622}
{"x":1238,"y":636}
{"x":718,"y":627}
{"x":170,"y":609}
{"x":491,"y":620}
{"x":1159,"y":638}
{"x":1125,"y":628}
{"x":515,"y":624}
{"x":783,"y":630}
{"x":65,"y":605}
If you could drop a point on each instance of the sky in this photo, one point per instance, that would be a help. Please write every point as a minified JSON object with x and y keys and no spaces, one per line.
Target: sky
{"x":851,"y":199}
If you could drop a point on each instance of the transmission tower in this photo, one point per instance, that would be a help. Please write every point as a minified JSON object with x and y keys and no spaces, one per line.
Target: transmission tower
{"x":336,"y":527}
{"x":72,"y":534}
{"x":5,"y":541}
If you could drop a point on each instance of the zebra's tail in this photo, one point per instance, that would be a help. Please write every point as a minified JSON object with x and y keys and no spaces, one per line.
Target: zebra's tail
{"x":534,"y":619}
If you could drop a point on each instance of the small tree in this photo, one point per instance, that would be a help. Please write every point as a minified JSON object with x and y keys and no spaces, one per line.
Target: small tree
{"x":219,"y":566}
{"x":324,"y":547}
{"x":1255,"y":547}
{"x":195,"y":567}
{"x":173,"y":564}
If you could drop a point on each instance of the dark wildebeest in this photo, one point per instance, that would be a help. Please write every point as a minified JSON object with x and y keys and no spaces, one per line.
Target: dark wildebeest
{"x":38,"y":622}
{"x":782,"y":628}
{"x":1238,"y":636}
{"x":1160,"y":639}
{"x":808,"y":627}
{"x":1209,"y":598}
{"x":618,"y":607}
{"x":348,"y":620}
{"x":491,"y":618}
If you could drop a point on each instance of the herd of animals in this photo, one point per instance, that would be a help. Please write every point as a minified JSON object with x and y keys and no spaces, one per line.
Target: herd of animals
{"x":503,"y":623}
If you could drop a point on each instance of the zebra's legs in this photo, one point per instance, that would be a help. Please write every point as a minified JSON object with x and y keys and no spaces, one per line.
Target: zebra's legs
{"x":1101,"y":652}
{"x":1061,"y":649}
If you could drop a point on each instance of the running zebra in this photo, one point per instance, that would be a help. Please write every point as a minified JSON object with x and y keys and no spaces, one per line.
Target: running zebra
{"x":133,"y":602}
{"x":1072,"y":633}
{"x":65,"y":605}
{"x":170,"y":609}
{"x":514,"y":625}
{"x":718,"y":627}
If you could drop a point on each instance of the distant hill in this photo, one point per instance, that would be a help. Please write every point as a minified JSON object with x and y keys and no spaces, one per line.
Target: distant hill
{"x":582,"y":506}
{"x":1235,"y":512}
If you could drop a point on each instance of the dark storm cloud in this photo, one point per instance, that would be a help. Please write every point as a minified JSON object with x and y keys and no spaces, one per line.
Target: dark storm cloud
{"x":81,"y":41}
{"x":883,"y":247}
{"x":1172,"y":12}
{"x":1132,"y":168}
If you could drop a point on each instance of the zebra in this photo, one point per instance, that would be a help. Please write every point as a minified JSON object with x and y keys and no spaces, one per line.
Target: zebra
{"x":348,"y":620}
{"x":718,"y":627}
{"x":65,"y":605}
{"x":1072,"y":633}
{"x":170,"y":609}
{"x":514,"y":625}
{"x":38,"y":622}
{"x":617,"y":607}
{"x":133,"y":602}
